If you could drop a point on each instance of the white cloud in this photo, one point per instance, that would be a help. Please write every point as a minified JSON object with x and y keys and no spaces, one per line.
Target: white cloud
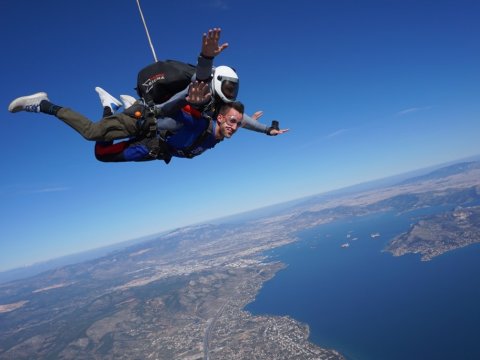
{"x":48,"y":190}
{"x":322,"y":139}
{"x":336,"y":133}
{"x":24,"y":190}
{"x":412,"y":110}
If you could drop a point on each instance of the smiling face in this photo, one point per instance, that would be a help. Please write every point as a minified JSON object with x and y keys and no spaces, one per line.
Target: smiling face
{"x":229,"y":123}
{"x":229,"y":120}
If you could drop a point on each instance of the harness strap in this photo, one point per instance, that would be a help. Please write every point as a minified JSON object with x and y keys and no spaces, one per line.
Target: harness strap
{"x":155,"y":139}
{"x":187,"y":152}
{"x":150,"y":125}
{"x":157,"y":149}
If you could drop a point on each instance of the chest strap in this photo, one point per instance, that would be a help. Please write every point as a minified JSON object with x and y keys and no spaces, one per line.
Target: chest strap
{"x":187,"y":152}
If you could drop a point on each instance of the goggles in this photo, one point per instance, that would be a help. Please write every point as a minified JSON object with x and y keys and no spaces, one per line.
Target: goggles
{"x":232,"y":120}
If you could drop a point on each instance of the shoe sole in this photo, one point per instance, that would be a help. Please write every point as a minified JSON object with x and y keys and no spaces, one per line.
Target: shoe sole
{"x":101,"y":92}
{"x":127,"y":100}
{"x":16,"y":106}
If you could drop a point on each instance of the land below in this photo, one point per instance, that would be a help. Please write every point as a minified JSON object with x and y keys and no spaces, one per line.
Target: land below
{"x":182,"y":295}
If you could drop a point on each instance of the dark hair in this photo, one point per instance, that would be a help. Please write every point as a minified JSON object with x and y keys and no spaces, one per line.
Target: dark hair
{"x":237,"y":105}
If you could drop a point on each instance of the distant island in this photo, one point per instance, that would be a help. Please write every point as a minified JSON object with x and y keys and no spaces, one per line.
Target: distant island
{"x":182,"y":294}
{"x":439,"y":233}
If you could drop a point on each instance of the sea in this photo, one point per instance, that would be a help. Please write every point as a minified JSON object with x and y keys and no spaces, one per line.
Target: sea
{"x":370,"y":305}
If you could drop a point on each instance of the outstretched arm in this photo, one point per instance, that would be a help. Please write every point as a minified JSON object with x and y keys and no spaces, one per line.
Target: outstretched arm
{"x":210,"y":49}
{"x":252,"y":123}
{"x":197,"y":94}
{"x":172,"y":105}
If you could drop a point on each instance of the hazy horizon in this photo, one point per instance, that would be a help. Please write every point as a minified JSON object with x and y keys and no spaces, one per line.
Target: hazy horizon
{"x":92,"y":253}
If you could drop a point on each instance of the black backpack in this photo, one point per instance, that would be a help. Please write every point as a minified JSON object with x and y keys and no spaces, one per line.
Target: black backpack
{"x":161,"y":80}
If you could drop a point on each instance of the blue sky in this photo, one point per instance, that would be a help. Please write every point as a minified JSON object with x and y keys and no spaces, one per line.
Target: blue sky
{"x":368,"y":88}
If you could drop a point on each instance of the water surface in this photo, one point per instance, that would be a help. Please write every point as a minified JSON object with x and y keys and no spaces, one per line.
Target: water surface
{"x":370,"y":305}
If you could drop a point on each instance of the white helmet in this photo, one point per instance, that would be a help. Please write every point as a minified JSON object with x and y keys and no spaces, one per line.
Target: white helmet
{"x":225,"y":83}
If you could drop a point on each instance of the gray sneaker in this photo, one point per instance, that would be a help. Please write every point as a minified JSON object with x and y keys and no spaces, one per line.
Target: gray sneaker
{"x":30,"y":103}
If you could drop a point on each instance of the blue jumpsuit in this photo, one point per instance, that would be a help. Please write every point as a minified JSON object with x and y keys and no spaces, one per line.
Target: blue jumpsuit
{"x":193,"y":135}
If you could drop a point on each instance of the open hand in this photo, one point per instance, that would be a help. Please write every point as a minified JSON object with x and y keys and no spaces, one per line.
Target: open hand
{"x":275,"y":132}
{"x":210,"y":47}
{"x":257,"y":115}
{"x":198,"y":93}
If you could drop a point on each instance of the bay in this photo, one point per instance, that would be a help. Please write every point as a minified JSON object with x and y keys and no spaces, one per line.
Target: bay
{"x":370,"y":305}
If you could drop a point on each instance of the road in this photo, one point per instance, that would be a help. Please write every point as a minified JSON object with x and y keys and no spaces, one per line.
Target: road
{"x":208,"y":330}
